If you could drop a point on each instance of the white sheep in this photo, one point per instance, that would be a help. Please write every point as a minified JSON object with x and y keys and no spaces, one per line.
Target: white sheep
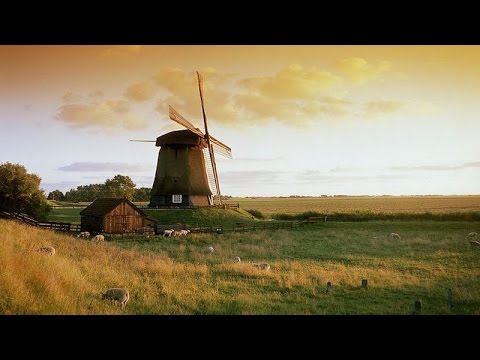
{"x":184,"y":232}
{"x":395,"y":236}
{"x":168,"y":232}
{"x":472,"y":235}
{"x":83,"y":234}
{"x":262,"y":266}
{"x":47,"y":250}
{"x":210,"y":249}
{"x":98,"y":238}
{"x":237,"y":259}
{"x":117,"y":294}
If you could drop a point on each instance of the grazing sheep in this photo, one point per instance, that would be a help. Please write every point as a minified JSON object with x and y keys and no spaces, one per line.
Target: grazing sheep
{"x":117,"y":294}
{"x":168,"y":232}
{"x":237,"y":259}
{"x":472,"y":235}
{"x":98,"y":238}
{"x":210,"y":249}
{"x":262,"y":266}
{"x":474,"y":243}
{"x":184,"y":232}
{"x":47,"y":250}
{"x":395,"y":236}
{"x":83,"y":234}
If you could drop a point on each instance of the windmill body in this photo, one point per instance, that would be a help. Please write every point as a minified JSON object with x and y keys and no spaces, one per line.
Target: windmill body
{"x":181,"y":178}
{"x":186,"y":172}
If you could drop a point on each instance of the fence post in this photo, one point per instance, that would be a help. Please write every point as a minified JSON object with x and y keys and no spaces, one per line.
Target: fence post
{"x":325,"y":218}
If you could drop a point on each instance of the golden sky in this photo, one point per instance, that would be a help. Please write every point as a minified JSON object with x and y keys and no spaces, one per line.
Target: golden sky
{"x":300,"y":119}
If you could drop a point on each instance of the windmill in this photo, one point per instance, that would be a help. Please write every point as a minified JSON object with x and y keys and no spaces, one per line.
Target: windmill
{"x":186,"y":172}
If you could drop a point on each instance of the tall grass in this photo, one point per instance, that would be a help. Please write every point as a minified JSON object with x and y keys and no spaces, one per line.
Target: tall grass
{"x":178,"y":275}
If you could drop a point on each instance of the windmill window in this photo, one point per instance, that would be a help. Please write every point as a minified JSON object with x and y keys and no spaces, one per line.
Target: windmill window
{"x":176,"y":199}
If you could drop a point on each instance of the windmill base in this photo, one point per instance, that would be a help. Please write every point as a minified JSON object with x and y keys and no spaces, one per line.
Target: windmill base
{"x":187,"y":201}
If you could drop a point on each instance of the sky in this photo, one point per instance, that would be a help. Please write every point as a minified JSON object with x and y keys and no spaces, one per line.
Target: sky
{"x":301,"y":120}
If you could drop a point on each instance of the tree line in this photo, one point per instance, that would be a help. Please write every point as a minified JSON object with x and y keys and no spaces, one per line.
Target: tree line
{"x":118,"y":186}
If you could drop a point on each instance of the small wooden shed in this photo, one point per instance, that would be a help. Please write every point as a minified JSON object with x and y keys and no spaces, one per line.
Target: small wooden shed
{"x":112,"y":216}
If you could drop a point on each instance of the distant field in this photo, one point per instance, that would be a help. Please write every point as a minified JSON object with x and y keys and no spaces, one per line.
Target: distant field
{"x":434,"y":204}
{"x":269,"y":206}
{"x":178,"y":275}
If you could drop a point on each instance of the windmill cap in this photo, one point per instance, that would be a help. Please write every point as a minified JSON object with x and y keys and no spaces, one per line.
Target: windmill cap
{"x":180,"y":137}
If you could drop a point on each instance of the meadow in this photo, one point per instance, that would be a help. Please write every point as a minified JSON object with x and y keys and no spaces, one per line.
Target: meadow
{"x":350,"y":204}
{"x":178,"y":275}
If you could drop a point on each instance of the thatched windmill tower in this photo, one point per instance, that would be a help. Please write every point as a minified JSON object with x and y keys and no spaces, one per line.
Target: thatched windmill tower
{"x":186,"y":172}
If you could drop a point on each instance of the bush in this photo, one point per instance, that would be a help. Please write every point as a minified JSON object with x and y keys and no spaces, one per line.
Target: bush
{"x":20,"y":192}
{"x":256,"y":213}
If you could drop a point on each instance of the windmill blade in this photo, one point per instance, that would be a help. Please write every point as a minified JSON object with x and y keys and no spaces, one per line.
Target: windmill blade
{"x":175,"y":116}
{"x":209,"y":169}
{"x":221,"y":148}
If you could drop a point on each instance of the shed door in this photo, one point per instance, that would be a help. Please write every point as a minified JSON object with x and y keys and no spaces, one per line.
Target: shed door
{"x":120,"y":223}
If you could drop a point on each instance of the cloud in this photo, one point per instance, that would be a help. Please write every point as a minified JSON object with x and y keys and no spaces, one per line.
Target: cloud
{"x":183,"y":95}
{"x":104,"y":167}
{"x":359,"y":71}
{"x":292,"y":82}
{"x":140,"y":91}
{"x":475,"y":164}
{"x":70,"y":97}
{"x":111,"y":116}
{"x":381,"y":107}
{"x":97,"y":95}
{"x":295,"y":96}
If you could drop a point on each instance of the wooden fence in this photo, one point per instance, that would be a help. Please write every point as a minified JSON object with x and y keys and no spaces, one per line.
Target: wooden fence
{"x":53,"y":225}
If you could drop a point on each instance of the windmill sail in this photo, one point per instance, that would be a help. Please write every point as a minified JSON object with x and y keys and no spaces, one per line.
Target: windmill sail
{"x":175,"y":116}
{"x":207,"y":137}
{"x":209,"y":168}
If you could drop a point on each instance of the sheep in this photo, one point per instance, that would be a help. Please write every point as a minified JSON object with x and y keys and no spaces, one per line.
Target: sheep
{"x":474,"y":243}
{"x":184,"y":232}
{"x":117,"y":294}
{"x":237,"y":259}
{"x":48,"y":250}
{"x":98,"y":238}
{"x":168,"y":232}
{"x":472,"y":235}
{"x":83,"y":234}
{"x":395,"y":236}
{"x":210,"y":249}
{"x":262,"y":266}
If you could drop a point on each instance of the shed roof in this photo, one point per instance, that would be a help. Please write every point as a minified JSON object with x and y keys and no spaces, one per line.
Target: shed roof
{"x":102,"y":206}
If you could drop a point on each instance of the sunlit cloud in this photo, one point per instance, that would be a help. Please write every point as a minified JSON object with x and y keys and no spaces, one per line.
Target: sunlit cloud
{"x":70,"y":97}
{"x":111,"y":116}
{"x":359,"y":71}
{"x":292,"y":82}
{"x":140,"y":91}
{"x":381,"y":107}
{"x":101,"y":167}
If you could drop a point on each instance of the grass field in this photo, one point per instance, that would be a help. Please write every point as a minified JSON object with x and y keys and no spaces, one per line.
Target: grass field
{"x":465,"y":207}
{"x":177,"y":275}
{"x":386,"y":204}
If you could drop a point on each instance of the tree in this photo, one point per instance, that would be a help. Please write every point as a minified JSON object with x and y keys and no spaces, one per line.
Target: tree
{"x":20,"y":192}
{"x":142,"y":194}
{"x":56,"y":195}
{"x":120,"y":186}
